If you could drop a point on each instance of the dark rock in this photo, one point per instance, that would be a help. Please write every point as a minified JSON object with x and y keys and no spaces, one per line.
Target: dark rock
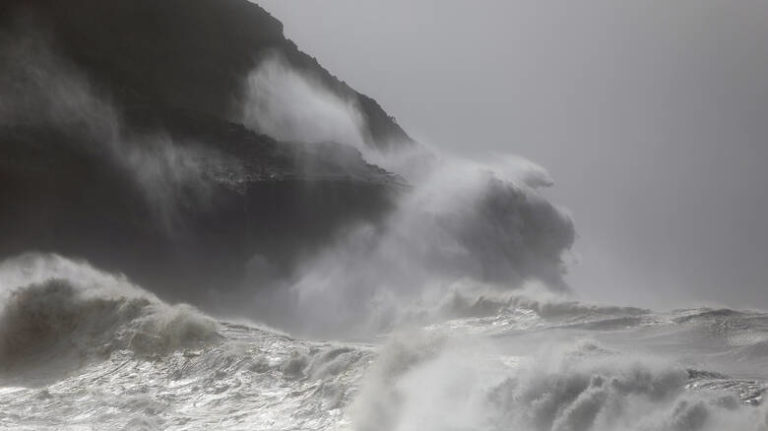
{"x":188,"y":54}
{"x":175,"y":68}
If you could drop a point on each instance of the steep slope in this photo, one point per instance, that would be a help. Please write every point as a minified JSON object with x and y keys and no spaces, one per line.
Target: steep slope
{"x":189,"y":145}
{"x":57,"y":197}
{"x":117,"y":145}
{"x":190,"y":54}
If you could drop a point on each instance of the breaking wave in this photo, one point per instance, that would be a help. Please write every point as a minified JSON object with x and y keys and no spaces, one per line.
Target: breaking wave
{"x":55,"y":309}
{"x":456,"y":220}
{"x":80,"y":346}
{"x":435,"y":383}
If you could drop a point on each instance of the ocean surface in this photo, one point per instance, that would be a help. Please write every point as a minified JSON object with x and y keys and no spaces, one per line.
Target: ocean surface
{"x":82,"y":349}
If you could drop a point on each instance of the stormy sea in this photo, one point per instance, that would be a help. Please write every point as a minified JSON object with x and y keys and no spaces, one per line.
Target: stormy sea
{"x":201,"y":228}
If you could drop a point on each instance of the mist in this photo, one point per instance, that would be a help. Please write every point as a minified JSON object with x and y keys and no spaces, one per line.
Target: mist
{"x":431,"y":381}
{"x":40,"y":89}
{"x":649,"y":117}
{"x":562,"y":230}
{"x":457,"y":221}
{"x":290,"y":106}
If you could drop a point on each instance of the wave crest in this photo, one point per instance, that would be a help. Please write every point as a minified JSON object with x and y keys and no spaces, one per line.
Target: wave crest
{"x":55,"y":308}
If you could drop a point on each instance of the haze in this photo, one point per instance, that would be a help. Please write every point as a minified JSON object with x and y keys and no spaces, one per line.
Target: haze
{"x":650,"y":116}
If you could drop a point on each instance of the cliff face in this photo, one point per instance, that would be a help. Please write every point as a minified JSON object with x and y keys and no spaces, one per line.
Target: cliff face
{"x":56,"y":197}
{"x":188,"y":54}
{"x":119,"y":146}
{"x":121,"y":143}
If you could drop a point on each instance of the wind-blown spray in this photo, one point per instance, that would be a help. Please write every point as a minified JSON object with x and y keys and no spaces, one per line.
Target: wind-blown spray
{"x":460,"y":220}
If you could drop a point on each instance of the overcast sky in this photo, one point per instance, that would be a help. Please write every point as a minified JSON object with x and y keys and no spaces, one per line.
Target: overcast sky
{"x":651,"y":116}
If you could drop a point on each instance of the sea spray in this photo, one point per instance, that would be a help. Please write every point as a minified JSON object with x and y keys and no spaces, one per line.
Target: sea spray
{"x":457,"y":220}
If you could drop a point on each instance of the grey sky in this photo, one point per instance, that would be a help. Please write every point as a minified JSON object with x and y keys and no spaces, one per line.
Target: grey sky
{"x":651,"y":116}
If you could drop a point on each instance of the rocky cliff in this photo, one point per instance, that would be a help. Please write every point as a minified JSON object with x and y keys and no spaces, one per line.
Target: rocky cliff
{"x":119,"y":144}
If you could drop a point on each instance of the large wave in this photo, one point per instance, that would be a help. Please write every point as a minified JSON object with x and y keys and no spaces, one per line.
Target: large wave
{"x":61,"y":313}
{"x":437,"y":382}
{"x":524,"y":359}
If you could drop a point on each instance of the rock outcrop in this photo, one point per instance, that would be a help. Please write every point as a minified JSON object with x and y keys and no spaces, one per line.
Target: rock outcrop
{"x":164,"y":185}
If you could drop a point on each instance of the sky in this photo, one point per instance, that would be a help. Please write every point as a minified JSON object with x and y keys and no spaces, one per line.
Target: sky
{"x":650,"y":115}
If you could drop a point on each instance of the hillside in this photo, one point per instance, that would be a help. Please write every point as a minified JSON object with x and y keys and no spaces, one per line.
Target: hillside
{"x":189,"y":54}
{"x":119,"y":144}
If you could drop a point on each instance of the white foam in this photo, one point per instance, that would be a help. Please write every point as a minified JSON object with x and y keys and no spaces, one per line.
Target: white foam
{"x":54,"y":308}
